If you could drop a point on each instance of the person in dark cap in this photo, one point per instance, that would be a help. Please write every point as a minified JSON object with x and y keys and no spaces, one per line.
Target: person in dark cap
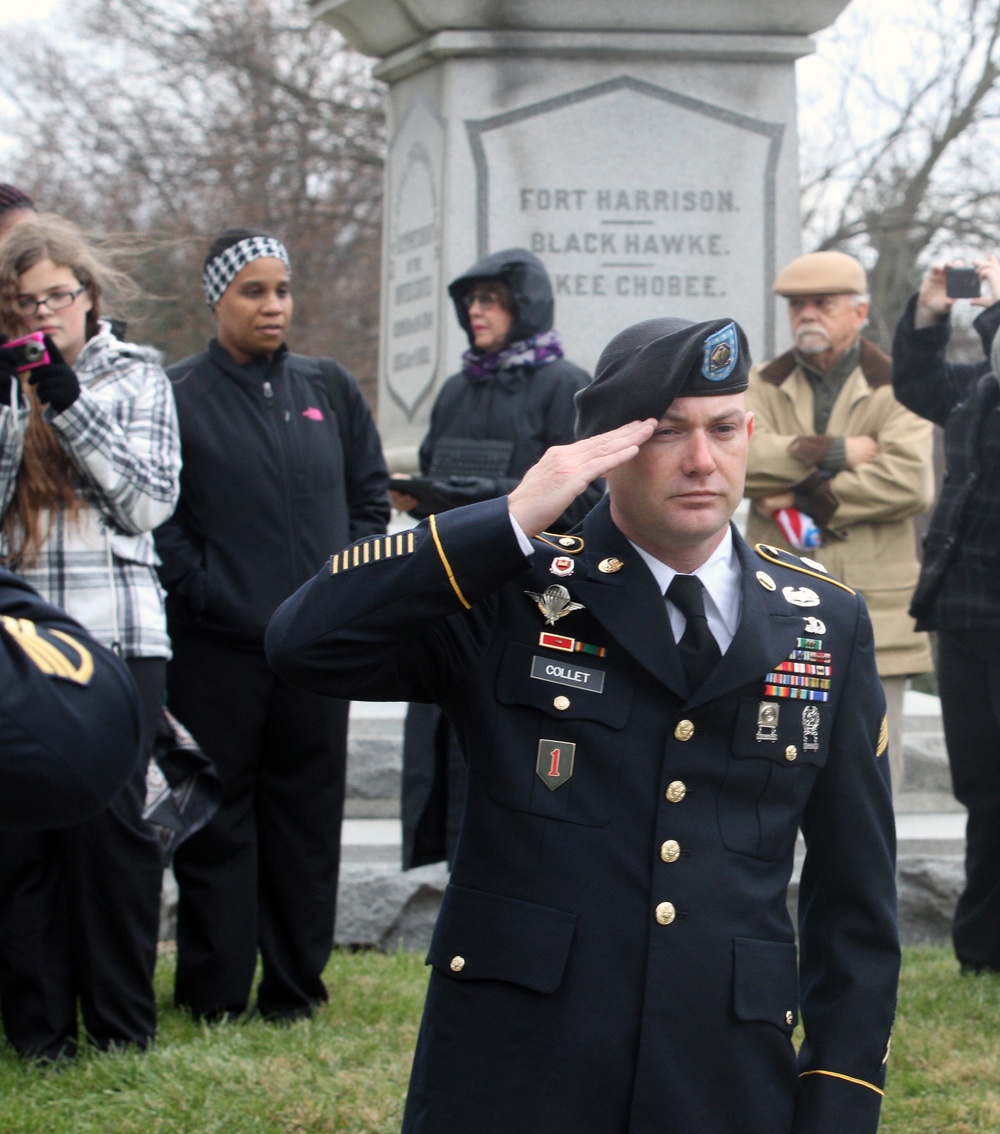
{"x":651,"y":711}
{"x":15,"y":206}
{"x":839,"y":468}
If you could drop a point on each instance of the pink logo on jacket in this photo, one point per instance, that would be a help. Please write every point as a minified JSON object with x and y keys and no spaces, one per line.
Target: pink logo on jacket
{"x":313,"y":413}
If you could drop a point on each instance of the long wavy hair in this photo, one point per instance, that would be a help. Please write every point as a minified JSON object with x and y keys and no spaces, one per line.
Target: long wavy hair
{"x":47,"y":482}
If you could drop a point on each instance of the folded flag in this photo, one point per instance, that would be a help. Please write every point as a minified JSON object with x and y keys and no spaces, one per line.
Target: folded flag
{"x":799,"y":529}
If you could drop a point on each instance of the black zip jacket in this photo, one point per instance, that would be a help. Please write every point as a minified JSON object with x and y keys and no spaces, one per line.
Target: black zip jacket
{"x":532,"y":408}
{"x":267,"y":492}
{"x":959,"y":585}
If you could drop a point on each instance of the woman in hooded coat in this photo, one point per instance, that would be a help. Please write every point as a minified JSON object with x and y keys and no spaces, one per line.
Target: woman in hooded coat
{"x":491,"y":421}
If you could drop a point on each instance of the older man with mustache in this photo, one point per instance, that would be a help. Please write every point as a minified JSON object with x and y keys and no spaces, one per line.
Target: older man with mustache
{"x":838,"y":468}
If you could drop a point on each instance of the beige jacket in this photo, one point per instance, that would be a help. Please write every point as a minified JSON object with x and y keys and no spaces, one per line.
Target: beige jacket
{"x":866,"y":513}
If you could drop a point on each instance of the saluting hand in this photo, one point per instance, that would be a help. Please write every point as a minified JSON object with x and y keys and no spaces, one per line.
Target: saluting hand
{"x":564,"y":471}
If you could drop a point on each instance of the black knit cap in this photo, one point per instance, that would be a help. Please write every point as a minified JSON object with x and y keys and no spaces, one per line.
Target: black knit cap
{"x":646,"y":366}
{"x":13,"y":198}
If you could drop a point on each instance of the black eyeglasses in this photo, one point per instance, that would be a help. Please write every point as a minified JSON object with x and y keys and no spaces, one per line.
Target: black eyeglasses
{"x":54,"y":301}
{"x":485,"y":299}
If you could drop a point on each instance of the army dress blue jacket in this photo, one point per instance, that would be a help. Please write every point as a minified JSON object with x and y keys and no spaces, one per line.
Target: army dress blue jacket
{"x":69,"y":715}
{"x":614,"y":951}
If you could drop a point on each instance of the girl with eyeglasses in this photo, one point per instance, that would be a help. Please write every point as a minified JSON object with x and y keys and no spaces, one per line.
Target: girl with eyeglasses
{"x":89,"y":465}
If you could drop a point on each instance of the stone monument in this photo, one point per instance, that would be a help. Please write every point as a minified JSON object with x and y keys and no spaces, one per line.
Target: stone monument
{"x":645,"y":150}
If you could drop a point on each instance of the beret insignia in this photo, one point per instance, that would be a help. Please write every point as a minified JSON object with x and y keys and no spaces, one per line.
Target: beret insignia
{"x":720,"y":354}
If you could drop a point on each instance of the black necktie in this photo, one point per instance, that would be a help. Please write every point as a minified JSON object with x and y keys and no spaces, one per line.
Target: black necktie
{"x":698,"y":648}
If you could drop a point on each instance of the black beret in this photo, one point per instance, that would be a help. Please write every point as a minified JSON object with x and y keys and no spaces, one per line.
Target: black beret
{"x":646,"y":366}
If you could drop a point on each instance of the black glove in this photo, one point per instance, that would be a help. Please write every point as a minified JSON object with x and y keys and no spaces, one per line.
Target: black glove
{"x":8,"y":369}
{"x":468,"y":489}
{"x":56,"y":381}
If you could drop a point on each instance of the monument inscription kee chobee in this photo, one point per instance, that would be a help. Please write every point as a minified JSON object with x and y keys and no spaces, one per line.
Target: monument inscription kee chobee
{"x":629,"y":238}
{"x":637,"y":198}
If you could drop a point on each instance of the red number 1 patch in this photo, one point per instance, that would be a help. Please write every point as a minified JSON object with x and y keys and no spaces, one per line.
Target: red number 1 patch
{"x":554,"y":765}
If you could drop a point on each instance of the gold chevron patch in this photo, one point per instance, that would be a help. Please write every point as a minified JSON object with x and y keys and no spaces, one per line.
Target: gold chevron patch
{"x":46,"y":654}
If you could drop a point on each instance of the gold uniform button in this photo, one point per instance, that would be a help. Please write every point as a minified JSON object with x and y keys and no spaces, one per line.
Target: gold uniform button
{"x":561,"y":703}
{"x":676,"y":791}
{"x":665,"y":913}
{"x":789,"y":1018}
{"x":684,"y":730}
{"x":670,"y":851}
{"x":791,"y":753}
{"x":457,"y":964}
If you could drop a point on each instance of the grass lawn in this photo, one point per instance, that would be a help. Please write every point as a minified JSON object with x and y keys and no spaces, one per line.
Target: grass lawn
{"x":345,"y":1071}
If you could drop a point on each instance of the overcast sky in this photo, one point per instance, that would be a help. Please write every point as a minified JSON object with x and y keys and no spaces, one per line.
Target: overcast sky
{"x":812,"y":73}
{"x":18,"y":10}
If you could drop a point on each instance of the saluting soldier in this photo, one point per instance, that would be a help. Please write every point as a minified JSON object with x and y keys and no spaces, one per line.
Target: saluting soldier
{"x":651,"y":711}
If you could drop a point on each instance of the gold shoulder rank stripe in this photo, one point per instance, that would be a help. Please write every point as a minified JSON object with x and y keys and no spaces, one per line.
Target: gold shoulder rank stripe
{"x":372,"y":551}
{"x":846,"y":1078}
{"x":774,"y":555}
{"x":447,"y":566}
{"x":48,"y":657}
{"x":883,"y":737}
{"x":567,"y":544}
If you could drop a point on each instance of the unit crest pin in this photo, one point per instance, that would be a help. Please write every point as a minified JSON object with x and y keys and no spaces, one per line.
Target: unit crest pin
{"x":562,"y":565}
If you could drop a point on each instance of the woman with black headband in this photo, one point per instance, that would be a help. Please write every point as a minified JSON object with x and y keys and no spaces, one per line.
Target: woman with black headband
{"x":282,"y":466}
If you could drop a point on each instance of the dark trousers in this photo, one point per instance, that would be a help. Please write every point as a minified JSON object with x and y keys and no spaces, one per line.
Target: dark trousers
{"x":434,"y":783}
{"x":80,"y":916}
{"x":263,"y":873}
{"x":969,"y":682}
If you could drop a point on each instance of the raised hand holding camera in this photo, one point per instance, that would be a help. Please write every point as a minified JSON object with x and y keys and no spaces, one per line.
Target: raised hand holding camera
{"x":55,"y":381}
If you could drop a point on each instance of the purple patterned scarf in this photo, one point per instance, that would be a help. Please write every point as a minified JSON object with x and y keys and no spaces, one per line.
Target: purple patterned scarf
{"x":529,"y":353}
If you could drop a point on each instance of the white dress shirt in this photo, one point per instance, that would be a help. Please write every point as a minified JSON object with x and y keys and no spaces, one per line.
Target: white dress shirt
{"x":720,"y":576}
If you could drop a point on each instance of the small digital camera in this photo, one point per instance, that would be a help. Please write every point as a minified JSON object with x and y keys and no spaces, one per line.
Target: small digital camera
{"x":962,"y":283}
{"x":30,"y":351}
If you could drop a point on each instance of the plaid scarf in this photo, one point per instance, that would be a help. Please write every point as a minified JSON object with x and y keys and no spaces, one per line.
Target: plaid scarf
{"x":528,"y":353}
